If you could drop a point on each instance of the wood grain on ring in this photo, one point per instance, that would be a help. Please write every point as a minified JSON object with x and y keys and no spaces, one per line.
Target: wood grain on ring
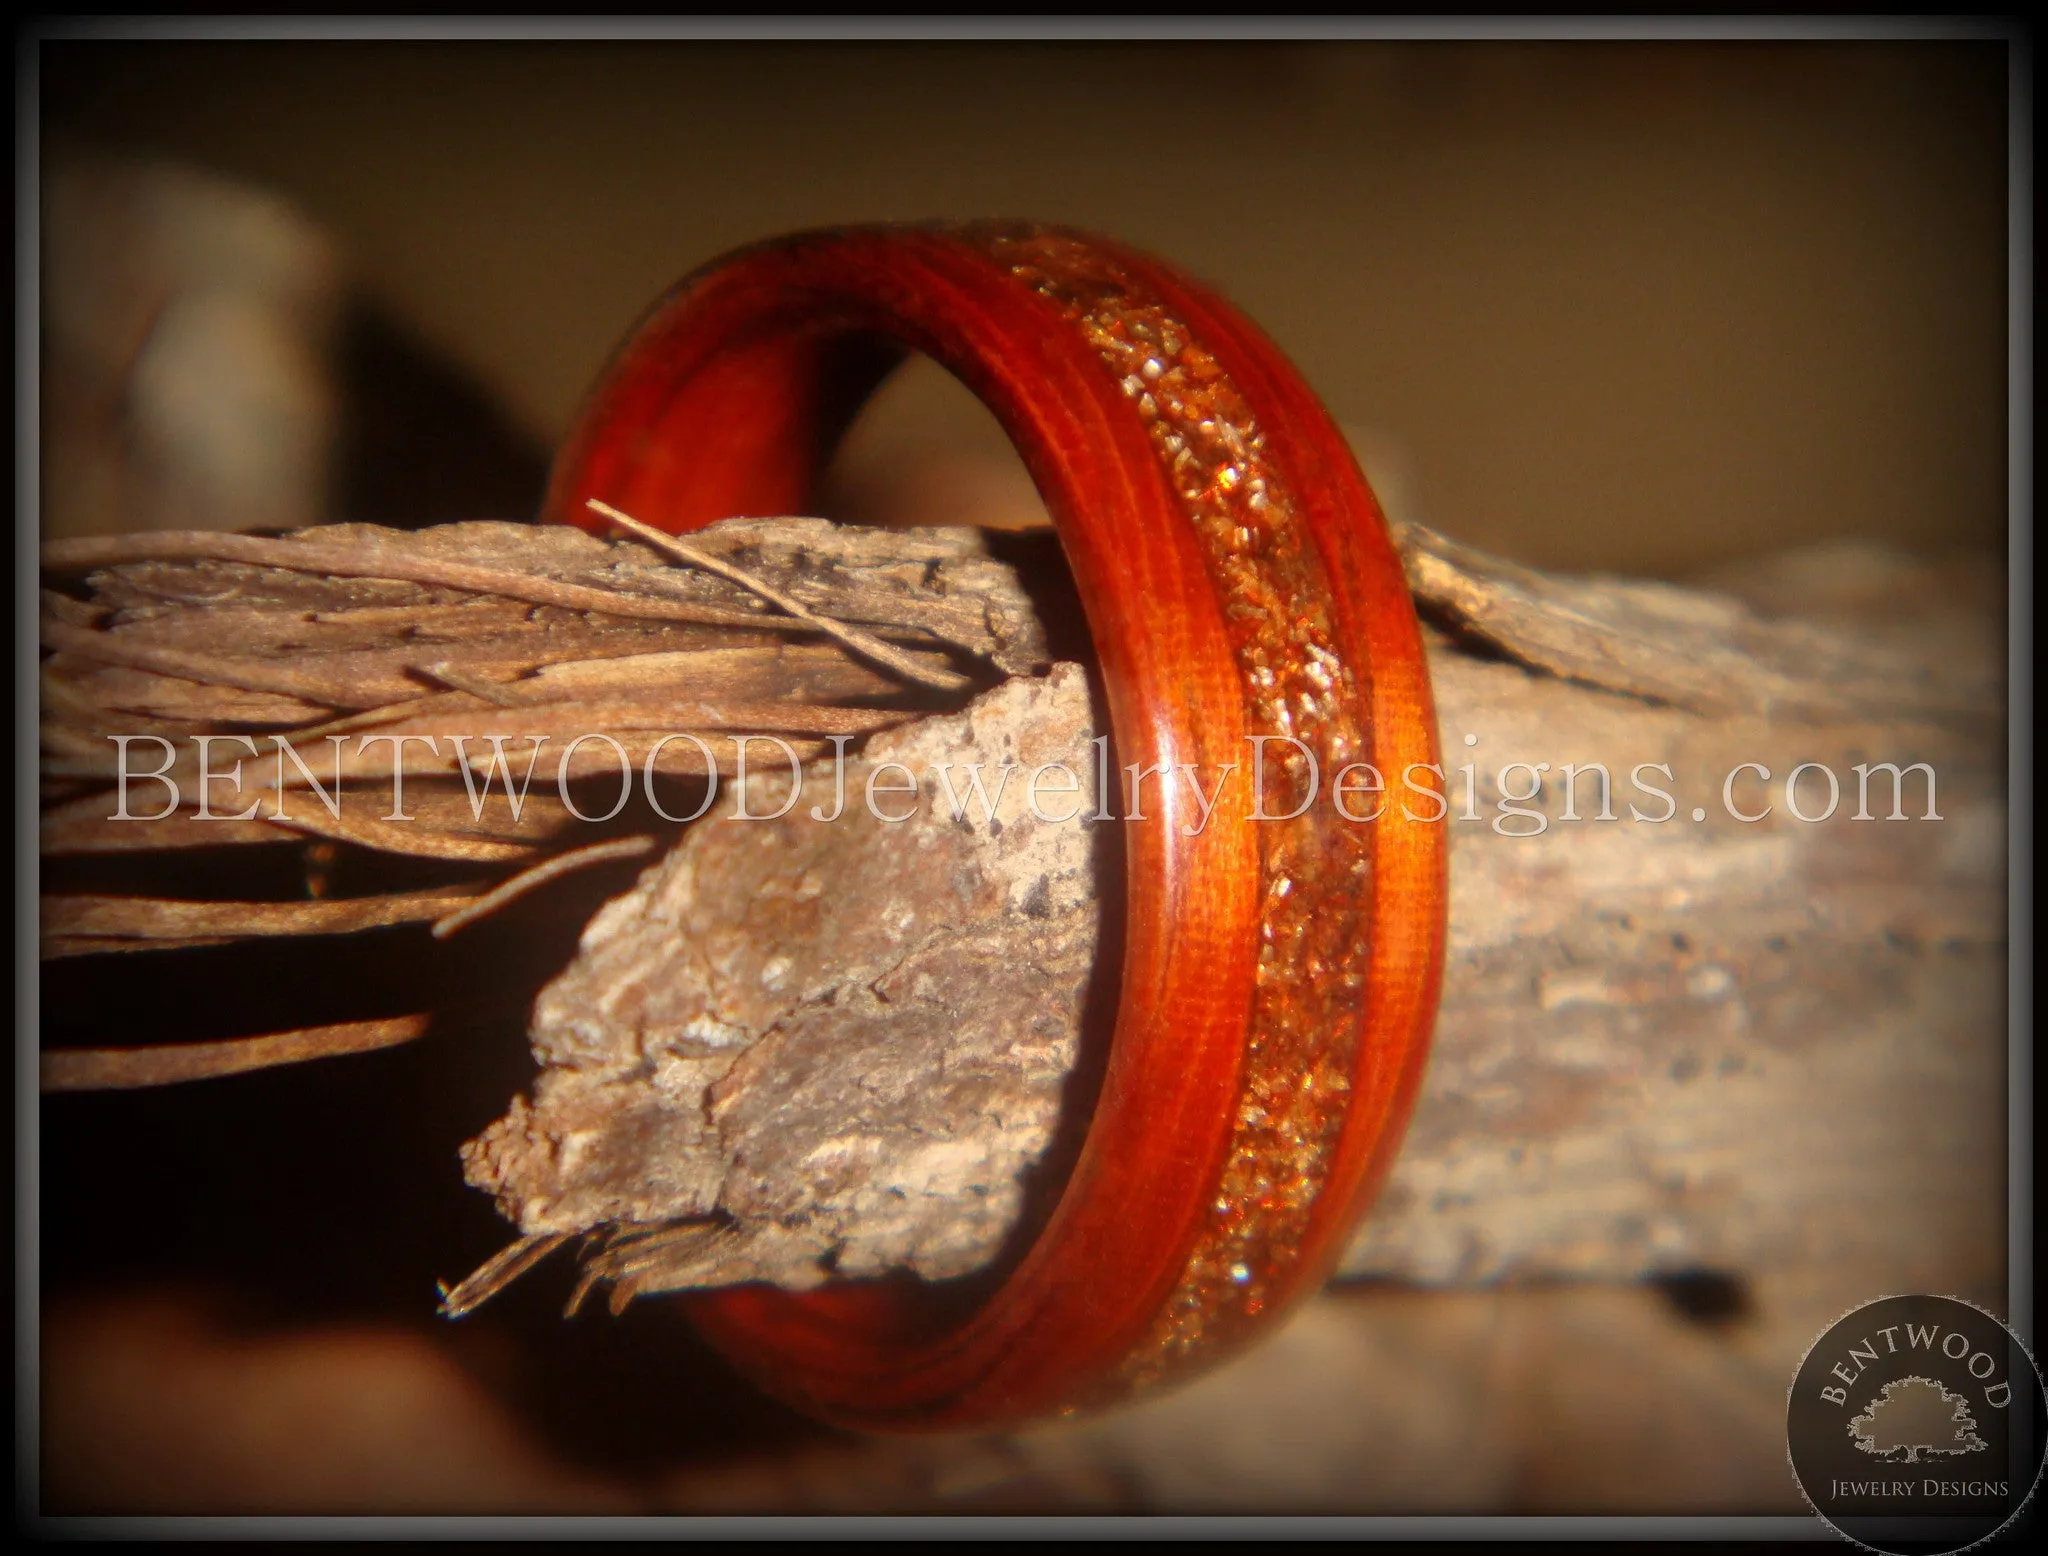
{"x":1279,"y":977}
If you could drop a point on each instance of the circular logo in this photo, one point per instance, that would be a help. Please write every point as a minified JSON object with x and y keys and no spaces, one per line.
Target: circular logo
{"x":1916,"y":1425}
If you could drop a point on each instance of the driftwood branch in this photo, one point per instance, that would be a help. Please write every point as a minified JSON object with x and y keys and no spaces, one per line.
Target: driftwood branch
{"x":1670,"y":1038}
{"x":799,"y":1048}
{"x":167,"y":1064}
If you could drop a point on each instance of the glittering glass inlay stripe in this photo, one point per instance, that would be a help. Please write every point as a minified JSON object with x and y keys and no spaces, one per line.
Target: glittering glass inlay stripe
{"x":1315,"y":870}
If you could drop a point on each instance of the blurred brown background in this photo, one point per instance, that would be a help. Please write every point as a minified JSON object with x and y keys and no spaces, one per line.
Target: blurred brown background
{"x":1640,"y":308}
{"x":1632,"y":306}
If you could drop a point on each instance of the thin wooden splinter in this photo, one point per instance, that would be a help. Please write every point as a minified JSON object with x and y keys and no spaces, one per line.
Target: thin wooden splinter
{"x":627,"y":1253}
{"x":497,"y":1272}
{"x":864,"y":643}
{"x":350,"y":561}
{"x":152,"y":921}
{"x":475,"y":686}
{"x":539,"y":875}
{"x":129,"y":1069}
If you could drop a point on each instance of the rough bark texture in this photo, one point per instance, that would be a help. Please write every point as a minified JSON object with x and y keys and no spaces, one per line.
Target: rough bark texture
{"x":1664,"y":1043}
{"x":478,"y":630}
{"x":850,"y":1037}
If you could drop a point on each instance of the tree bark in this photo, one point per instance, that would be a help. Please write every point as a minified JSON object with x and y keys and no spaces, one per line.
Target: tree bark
{"x":1670,"y":1038}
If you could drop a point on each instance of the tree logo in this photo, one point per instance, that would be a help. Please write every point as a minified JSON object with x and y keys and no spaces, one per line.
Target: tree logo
{"x":1913,"y":1416}
{"x":1917,"y":1424}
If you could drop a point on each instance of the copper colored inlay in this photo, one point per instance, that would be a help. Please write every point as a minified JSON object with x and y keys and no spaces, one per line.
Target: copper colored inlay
{"x":1315,"y":870}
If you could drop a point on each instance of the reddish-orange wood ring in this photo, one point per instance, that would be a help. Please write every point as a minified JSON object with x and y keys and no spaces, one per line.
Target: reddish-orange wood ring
{"x":1279,"y":978}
